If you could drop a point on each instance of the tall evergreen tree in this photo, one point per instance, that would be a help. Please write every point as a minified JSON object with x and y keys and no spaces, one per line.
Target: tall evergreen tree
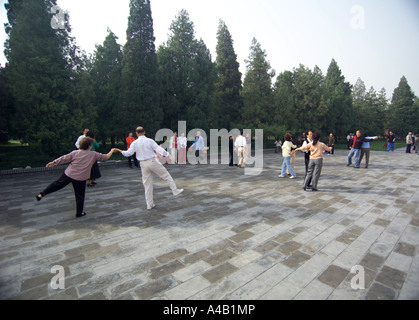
{"x":403,"y":113}
{"x":338,"y":102}
{"x":229,"y":103}
{"x":41,"y":65}
{"x":257,"y":88}
{"x":140,"y":85}
{"x":106,"y":73}
{"x":188,"y":76}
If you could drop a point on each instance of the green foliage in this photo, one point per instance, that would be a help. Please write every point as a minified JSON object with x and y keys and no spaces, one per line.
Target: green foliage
{"x":50,"y":90}
{"x":187,"y":77}
{"x":403,"y":112}
{"x":257,"y":89}
{"x":140,"y":85}
{"x":106,"y":77}
{"x":228,"y":101}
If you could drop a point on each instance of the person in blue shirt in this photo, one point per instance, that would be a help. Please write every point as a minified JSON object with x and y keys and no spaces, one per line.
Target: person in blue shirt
{"x":365,"y":150}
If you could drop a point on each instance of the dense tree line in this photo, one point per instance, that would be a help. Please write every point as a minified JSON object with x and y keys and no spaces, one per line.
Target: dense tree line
{"x":50,"y":90}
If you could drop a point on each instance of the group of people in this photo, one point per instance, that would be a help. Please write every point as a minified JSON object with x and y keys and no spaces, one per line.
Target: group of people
{"x":314,"y":151}
{"x":412,"y":143}
{"x":82,"y":160}
{"x":83,"y":166}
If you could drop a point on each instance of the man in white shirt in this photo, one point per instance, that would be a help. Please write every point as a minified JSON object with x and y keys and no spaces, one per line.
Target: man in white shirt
{"x":145,"y":150}
{"x":79,"y":139}
{"x":240,"y":146}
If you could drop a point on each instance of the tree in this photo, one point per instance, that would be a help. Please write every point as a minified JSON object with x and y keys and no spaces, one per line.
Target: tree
{"x":188,"y":76}
{"x":337,"y":102}
{"x":140,"y":85}
{"x":228,"y":101}
{"x":257,"y":89}
{"x":41,"y":61}
{"x":6,"y":107}
{"x":403,"y":112}
{"x":106,"y":74}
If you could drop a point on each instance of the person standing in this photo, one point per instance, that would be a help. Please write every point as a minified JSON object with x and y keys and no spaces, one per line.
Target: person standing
{"x":240,"y":146}
{"x":331,"y":143}
{"x":77,"y":144}
{"x":199,"y":146}
{"x":182,"y":145}
{"x":130,"y":139}
{"x":81,"y":162}
{"x":174,"y":146}
{"x":391,"y":141}
{"x":248,"y":148}
{"x":316,"y":161}
{"x":292,"y":153}
{"x":365,"y":150}
{"x":286,"y":153}
{"x":350,"y":139}
{"x":278,"y":145}
{"x":231,"y":150}
{"x":409,"y":142}
{"x":146,"y":150}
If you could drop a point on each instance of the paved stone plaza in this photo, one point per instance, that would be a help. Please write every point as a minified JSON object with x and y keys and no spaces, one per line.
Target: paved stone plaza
{"x":227,"y":237}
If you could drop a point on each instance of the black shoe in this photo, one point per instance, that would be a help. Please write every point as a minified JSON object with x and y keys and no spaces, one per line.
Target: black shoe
{"x":81,"y":215}
{"x":314,"y":190}
{"x":38,"y":198}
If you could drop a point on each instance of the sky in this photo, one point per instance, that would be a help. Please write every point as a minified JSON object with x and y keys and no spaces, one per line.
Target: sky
{"x":375,"y":40}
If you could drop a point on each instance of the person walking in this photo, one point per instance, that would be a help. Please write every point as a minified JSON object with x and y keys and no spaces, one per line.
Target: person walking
{"x":391,"y":141}
{"x":365,"y":150}
{"x":240,"y":146}
{"x":130,"y":139}
{"x":146,"y":150}
{"x":286,"y":153}
{"x":81,"y":162}
{"x":316,"y":149}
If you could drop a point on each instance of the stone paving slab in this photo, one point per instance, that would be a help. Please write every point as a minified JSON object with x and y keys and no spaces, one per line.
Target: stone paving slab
{"x":228,"y":236}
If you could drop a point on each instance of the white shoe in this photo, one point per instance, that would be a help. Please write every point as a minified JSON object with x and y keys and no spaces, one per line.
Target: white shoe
{"x":152,"y":207}
{"x":293,"y":177}
{"x":279,"y":176}
{"x":177,"y":192}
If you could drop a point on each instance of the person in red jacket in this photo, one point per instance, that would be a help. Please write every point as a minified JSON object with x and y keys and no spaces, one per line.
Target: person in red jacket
{"x":130,"y":139}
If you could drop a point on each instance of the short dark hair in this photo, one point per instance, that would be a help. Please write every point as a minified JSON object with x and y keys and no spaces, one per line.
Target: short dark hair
{"x":90,"y":134}
{"x":86,"y":143}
